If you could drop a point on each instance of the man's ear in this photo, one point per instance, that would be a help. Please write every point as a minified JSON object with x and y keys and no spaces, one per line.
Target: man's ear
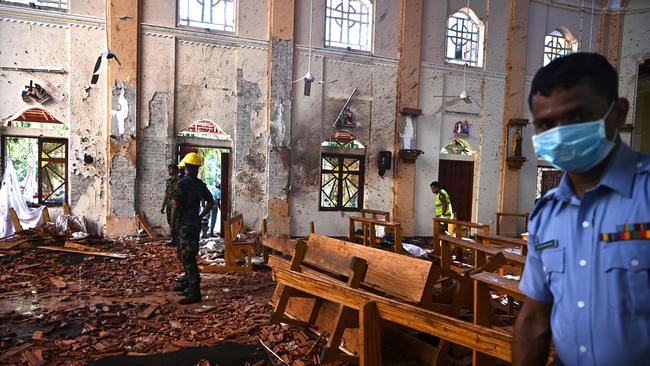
{"x":621,"y":107}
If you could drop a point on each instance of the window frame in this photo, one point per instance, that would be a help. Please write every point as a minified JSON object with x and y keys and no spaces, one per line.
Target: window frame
{"x":539,"y":181}
{"x":480,"y":42}
{"x":40,"y":140}
{"x":339,"y":197}
{"x":348,"y":47}
{"x":211,"y":30}
{"x":570,"y":45}
{"x":38,"y":6}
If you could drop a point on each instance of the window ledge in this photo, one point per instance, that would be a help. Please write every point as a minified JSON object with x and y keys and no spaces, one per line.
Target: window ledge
{"x":206,"y":30}
{"x":343,"y":150}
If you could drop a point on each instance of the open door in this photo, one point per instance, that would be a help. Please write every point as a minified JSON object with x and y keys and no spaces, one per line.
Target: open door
{"x":457,"y":178}
{"x":225,"y":187}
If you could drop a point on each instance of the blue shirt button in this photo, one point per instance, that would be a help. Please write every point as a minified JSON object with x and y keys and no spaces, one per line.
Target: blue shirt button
{"x":582,"y":263}
{"x":585,"y":224}
{"x":583,"y":349}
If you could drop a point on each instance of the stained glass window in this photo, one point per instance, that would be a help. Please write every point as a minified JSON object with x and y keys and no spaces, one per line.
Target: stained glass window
{"x":348,"y":24}
{"x":557,"y":45}
{"x":341,"y":182}
{"x":464,"y":39}
{"x":211,"y":14}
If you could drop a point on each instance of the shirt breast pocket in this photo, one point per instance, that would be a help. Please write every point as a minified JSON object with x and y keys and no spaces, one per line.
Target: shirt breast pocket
{"x":627,"y":269}
{"x":553,"y":266}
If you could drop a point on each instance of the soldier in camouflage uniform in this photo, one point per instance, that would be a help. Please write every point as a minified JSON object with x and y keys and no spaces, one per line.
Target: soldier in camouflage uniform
{"x":170,"y":189}
{"x":186,"y":222}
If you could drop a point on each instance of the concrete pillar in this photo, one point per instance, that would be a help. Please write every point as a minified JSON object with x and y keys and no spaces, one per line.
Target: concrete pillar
{"x":121,"y":117}
{"x":408,"y":98}
{"x":278,"y":113}
{"x":610,"y":32}
{"x":514,"y":97}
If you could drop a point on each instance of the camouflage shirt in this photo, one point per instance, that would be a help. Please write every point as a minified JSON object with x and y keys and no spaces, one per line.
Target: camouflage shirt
{"x":171,"y":185}
{"x":189,"y":194}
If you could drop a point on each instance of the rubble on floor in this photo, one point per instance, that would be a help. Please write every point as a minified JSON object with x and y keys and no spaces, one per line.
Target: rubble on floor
{"x":70,"y":309}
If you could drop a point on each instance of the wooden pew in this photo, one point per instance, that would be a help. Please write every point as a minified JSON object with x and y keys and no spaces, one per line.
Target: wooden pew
{"x":235,"y":249}
{"x":480,"y":252}
{"x":375,"y":214}
{"x":409,"y":280}
{"x":368,"y":237}
{"x":501,"y":215}
{"x":460,"y":228}
{"x":503,"y":241}
{"x":374,"y":309}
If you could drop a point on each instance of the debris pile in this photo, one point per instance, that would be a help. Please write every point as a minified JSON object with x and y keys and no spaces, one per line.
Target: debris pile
{"x":69,"y":309}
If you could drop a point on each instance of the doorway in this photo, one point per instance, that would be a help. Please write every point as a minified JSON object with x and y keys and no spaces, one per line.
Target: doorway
{"x":641,"y":131}
{"x":457,"y":178}
{"x":215,"y":173}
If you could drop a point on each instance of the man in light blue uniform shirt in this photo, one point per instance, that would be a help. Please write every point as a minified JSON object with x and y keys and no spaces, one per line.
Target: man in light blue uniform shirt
{"x":587,"y":273}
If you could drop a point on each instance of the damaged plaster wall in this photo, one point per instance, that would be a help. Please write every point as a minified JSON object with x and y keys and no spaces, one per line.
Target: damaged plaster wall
{"x":36,"y":41}
{"x":279,"y":150}
{"x":155,"y":138}
{"x":635,"y":48}
{"x":249,"y":177}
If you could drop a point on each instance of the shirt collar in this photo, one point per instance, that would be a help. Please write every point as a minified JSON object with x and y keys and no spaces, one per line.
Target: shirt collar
{"x":618,"y":174}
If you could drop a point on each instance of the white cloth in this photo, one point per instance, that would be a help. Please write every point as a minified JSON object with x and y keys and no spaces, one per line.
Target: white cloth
{"x":10,"y":197}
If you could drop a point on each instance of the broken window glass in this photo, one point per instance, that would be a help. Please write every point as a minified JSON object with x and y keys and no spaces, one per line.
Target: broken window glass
{"x":557,"y":45}
{"x":211,"y":14}
{"x":348,"y":24}
{"x":56,"y":4}
{"x":341,"y":183}
{"x":464,"y":39}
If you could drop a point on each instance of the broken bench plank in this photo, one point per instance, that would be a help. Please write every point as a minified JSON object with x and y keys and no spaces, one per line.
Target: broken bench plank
{"x":78,"y":251}
{"x":146,"y":314}
{"x":58,"y":282}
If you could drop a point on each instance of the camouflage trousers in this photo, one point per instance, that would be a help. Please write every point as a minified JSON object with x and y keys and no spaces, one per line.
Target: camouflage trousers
{"x":187,"y":250}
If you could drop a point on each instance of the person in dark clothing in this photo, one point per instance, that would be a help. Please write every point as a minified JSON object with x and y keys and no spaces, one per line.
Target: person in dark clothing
{"x":186,"y":223}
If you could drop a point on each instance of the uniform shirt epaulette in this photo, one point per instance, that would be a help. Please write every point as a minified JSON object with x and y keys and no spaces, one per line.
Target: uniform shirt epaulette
{"x":548,"y":196}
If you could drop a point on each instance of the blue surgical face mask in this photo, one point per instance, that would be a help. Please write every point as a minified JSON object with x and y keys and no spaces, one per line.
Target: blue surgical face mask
{"x":575,"y":148}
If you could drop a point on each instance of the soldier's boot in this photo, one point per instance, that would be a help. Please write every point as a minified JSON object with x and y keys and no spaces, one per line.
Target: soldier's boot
{"x":192,"y":295}
{"x":181,"y":287}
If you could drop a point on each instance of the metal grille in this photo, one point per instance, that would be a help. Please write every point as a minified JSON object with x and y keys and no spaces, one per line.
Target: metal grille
{"x":211,"y":14}
{"x":547,"y":179}
{"x":463,"y":39}
{"x":56,"y":4}
{"x":556,"y":45}
{"x":348,"y":24}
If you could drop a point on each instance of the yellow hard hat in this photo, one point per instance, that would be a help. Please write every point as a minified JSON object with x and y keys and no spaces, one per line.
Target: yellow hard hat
{"x":181,"y":164}
{"x":192,"y":159}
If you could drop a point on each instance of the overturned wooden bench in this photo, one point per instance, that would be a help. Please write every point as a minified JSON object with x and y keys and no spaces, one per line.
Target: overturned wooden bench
{"x":405,"y":279}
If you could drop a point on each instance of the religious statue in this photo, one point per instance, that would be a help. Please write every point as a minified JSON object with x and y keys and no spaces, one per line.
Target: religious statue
{"x":516,"y":147}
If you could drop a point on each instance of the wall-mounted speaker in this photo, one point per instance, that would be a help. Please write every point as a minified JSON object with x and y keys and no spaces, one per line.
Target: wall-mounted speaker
{"x":384,"y":162}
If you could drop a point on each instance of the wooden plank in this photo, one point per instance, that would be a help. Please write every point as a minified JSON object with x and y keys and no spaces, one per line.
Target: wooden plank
{"x":490,"y":341}
{"x":487,"y":249}
{"x":369,"y":335}
{"x":14,"y":351}
{"x":46,"y":215}
{"x":71,"y":244}
{"x":58,"y":282}
{"x":78,"y":251}
{"x":18,"y":228}
{"x":503,"y":240}
{"x":66,"y":209}
{"x":394,"y":273}
{"x":148,"y":311}
{"x":498,"y":283}
{"x":145,"y":225}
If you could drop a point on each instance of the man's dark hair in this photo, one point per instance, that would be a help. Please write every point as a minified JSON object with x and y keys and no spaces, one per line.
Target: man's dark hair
{"x":434,"y":184}
{"x":192,"y":169}
{"x":575,"y":69}
{"x":172,"y":166}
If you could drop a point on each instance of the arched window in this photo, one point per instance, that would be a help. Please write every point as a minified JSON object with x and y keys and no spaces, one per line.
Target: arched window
{"x":464,"y":43}
{"x":211,"y":14}
{"x":558,"y":43}
{"x":204,"y":128}
{"x":348,"y":24}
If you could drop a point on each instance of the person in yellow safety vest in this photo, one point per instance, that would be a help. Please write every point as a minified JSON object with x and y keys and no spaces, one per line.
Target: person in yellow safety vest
{"x":443,"y":203}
